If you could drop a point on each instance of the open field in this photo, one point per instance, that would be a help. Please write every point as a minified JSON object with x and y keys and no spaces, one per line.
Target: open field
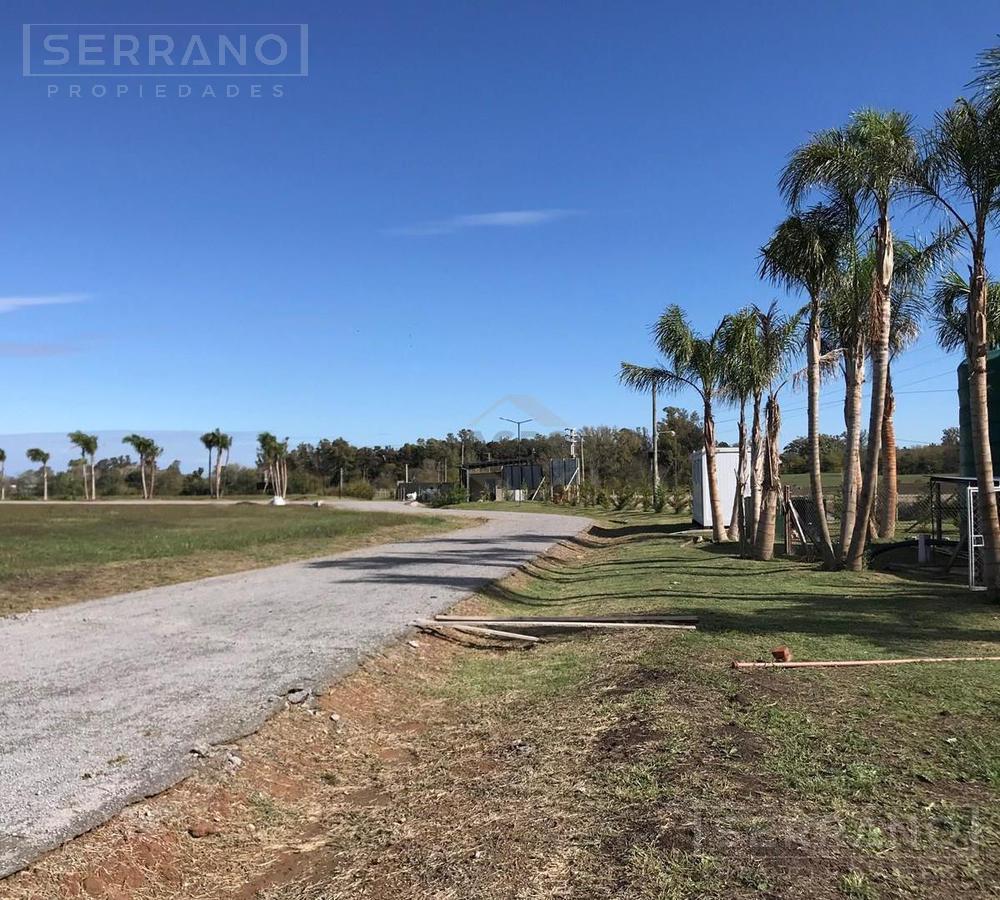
{"x":908,"y":484}
{"x":635,"y":766}
{"x":57,"y":553}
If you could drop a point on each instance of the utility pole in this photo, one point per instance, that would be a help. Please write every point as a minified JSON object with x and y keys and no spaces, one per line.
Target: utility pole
{"x":656,"y":447}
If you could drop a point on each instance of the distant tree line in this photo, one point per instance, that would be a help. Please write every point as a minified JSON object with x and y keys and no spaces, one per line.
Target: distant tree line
{"x":617,"y":460}
{"x":924,"y":459}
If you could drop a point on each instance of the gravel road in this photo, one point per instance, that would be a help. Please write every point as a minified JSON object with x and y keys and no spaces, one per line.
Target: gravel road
{"x":102,"y":702}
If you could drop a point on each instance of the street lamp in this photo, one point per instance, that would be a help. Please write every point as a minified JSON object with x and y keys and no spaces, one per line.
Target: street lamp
{"x":518,"y":423}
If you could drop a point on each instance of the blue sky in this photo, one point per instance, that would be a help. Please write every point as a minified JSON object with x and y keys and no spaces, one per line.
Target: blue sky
{"x":461,"y":202}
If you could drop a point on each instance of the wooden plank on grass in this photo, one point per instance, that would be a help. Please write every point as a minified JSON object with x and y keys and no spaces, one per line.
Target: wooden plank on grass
{"x":476,"y":630}
{"x":843,"y":663}
{"x":550,"y":623}
{"x":629,"y":617}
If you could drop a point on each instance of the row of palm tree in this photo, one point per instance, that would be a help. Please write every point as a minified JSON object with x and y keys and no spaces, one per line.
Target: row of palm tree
{"x":866,"y":291}
{"x":146,"y":449}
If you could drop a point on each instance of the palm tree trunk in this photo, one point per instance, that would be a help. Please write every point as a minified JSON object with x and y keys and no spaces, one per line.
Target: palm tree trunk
{"x":715,"y":501}
{"x":764,"y":545}
{"x":881,"y":317}
{"x":737,"y":524}
{"x":142,"y":474}
{"x":815,"y":462}
{"x":45,"y":482}
{"x":218,"y":474}
{"x":854,"y":374}
{"x":152,"y":477}
{"x":83,"y":471}
{"x":889,"y":482}
{"x":977,"y":349}
{"x":93,"y":478}
{"x":756,"y":470}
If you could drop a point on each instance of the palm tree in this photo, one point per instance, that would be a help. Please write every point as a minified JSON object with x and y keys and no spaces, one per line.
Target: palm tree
{"x":844,"y":335}
{"x":40,"y":457}
{"x":272,"y":457}
{"x":152,"y":453}
{"x":960,"y":175}
{"x":209,"y":440}
{"x":143,"y":446}
{"x":87,"y":444}
{"x":223,"y":442}
{"x":743,"y":380}
{"x":693,"y":361}
{"x":780,"y":340}
{"x":803,"y":255}
{"x":914,"y":264}
{"x":873,"y":161}
{"x":3,"y":474}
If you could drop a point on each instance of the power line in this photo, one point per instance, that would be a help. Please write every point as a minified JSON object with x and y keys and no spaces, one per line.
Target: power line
{"x":840,"y":400}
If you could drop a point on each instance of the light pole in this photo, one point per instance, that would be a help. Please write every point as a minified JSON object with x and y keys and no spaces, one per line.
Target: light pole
{"x":656,"y":448}
{"x":519,"y":423}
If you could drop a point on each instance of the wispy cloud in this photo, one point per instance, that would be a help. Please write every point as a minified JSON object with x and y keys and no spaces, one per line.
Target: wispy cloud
{"x":11,"y":348}
{"x":10,"y":304}
{"x":515,"y":218}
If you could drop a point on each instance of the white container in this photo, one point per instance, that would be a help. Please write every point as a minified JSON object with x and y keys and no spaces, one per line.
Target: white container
{"x":726,"y":464}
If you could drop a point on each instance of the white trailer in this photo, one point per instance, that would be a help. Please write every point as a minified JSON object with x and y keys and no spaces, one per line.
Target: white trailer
{"x":726,"y":464}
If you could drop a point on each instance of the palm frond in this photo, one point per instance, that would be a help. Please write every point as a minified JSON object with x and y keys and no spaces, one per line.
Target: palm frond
{"x":803,"y":252}
{"x":988,"y":80}
{"x":829,"y":368}
{"x":674,"y":337}
{"x":949,"y":301}
{"x":870,"y":159}
{"x":645,"y":378}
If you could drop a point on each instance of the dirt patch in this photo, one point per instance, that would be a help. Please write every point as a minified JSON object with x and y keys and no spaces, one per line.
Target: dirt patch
{"x":626,"y":739}
{"x":642,"y":678}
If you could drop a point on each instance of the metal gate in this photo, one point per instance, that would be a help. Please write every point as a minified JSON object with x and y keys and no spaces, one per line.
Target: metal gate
{"x":973,"y":528}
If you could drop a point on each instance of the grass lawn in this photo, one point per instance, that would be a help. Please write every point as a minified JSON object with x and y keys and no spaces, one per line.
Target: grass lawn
{"x":700,"y":781}
{"x":54,"y":554}
{"x":641,"y":766}
{"x":631,"y":765}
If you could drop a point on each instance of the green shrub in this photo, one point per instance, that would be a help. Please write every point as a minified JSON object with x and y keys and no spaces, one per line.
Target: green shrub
{"x":360,"y":490}
{"x":448,"y":495}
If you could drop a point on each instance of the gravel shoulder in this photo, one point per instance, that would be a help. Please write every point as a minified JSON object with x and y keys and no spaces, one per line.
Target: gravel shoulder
{"x":102,"y":702}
